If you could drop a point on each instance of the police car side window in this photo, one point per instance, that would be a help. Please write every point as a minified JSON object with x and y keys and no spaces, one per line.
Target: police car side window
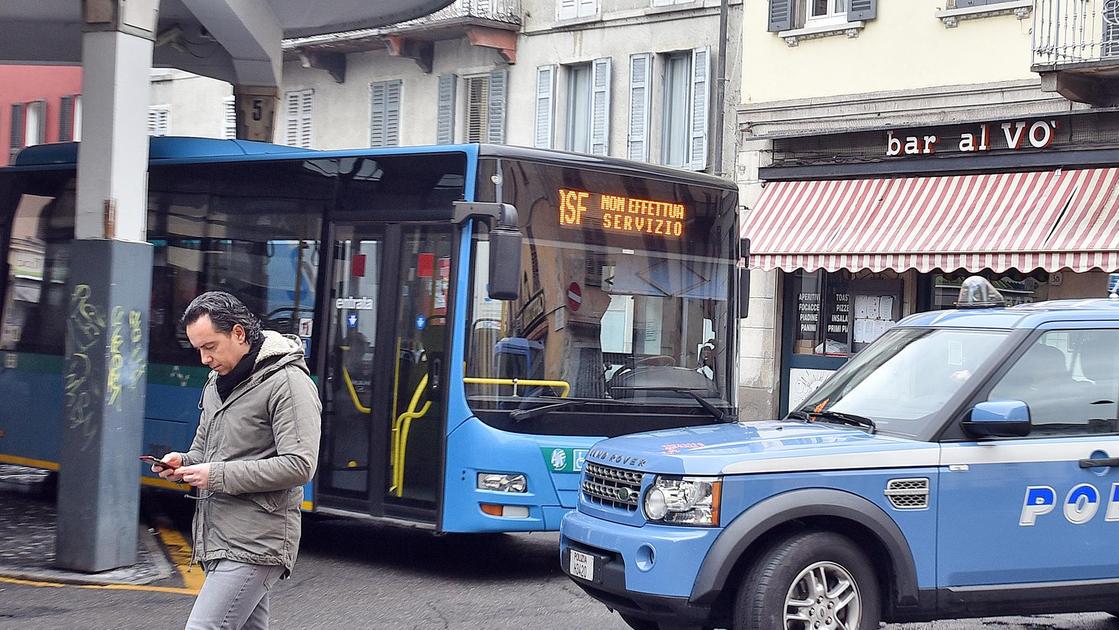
{"x":1070,"y":381}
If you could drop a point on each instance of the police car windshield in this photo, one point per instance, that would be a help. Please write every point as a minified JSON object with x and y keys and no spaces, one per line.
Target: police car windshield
{"x":906,"y":377}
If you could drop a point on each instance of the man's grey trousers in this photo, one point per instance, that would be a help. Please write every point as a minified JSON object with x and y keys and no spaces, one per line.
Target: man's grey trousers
{"x":234,"y":597}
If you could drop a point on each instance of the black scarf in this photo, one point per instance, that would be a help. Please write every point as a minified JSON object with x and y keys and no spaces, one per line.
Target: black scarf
{"x":244,"y":368}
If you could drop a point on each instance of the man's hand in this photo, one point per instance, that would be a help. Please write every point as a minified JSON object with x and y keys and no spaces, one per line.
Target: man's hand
{"x":197,"y":475}
{"x":175,"y":460}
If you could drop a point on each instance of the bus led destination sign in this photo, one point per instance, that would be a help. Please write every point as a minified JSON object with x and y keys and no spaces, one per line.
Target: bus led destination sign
{"x":616,"y":213}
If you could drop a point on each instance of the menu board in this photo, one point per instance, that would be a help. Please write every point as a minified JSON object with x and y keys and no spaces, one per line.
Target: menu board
{"x":808,"y":320}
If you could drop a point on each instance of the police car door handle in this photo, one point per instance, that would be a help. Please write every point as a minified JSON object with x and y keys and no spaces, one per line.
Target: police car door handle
{"x":1099,"y":463}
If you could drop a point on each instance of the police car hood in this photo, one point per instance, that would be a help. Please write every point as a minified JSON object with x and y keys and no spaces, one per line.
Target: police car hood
{"x":756,"y":447}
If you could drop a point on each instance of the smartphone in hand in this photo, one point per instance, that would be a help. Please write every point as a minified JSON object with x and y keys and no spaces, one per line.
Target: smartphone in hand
{"x":155,"y":461}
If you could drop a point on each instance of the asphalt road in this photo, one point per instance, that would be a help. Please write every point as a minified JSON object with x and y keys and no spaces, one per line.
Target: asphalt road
{"x":357,"y":575}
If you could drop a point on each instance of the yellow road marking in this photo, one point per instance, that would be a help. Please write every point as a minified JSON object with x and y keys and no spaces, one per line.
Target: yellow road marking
{"x":112,"y":587}
{"x":179,"y":550}
{"x":24,"y":461}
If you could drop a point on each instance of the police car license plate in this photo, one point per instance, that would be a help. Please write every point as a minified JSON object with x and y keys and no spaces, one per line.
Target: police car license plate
{"x":581,"y":565}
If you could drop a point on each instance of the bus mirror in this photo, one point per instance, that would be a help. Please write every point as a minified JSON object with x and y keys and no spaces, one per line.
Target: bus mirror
{"x":744,"y":280}
{"x":505,"y":263}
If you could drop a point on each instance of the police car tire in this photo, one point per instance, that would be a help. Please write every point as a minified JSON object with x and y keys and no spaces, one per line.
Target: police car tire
{"x":760,"y":604}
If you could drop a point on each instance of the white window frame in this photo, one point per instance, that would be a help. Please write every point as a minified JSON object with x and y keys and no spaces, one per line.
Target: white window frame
{"x":34,"y":123}
{"x":76,"y":131}
{"x":479,"y":110}
{"x":572,"y":132}
{"x":836,"y":13}
{"x":685,"y":91}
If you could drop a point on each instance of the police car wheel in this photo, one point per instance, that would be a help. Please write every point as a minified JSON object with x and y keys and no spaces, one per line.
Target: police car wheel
{"x":809,"y":581}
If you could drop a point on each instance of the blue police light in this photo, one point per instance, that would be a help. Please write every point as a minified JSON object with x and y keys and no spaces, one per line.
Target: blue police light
{"x":978,"y":292}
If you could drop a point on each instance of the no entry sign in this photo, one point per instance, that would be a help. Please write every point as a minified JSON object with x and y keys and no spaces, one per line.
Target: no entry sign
{"x":574,"y":296}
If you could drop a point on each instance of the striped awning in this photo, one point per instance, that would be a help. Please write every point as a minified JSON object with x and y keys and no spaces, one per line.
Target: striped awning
{"x":1053,"y":220}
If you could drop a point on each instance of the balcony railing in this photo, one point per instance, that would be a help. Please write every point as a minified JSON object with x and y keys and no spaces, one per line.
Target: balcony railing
{"x":506,"y":11}
{"x":1070,"y":33}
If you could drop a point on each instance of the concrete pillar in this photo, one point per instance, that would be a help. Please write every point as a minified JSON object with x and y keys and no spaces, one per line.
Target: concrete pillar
{"x":109,"y":285}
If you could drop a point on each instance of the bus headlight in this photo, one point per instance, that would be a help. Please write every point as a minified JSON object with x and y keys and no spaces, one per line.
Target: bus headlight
{"x":684,"y":501}
{"x":499,"y":482}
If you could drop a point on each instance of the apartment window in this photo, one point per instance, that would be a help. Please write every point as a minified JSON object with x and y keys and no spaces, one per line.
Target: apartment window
{"x":34,"y":123}
{"x":229,"y":118}
{"x":574,"y":9}
{"x":298,"y":106}
{"x":820,"y":12}
{"x":484,"y":105}
{"x":579,"y":108}
{"x":384,"y":113}
{"x":70,"y":118}
{"x":159,"y":120}
{"x":445,"y":109}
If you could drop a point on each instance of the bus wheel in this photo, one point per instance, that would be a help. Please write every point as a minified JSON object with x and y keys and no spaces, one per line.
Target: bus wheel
{"x":638,"y":624}
{"x":809,"y":581}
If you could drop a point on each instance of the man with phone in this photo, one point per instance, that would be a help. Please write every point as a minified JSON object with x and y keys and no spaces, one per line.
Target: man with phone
{"x":256,"y":446}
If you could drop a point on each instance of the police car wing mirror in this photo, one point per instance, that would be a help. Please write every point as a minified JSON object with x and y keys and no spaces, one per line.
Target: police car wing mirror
{"x":504,"y":244}
{"x":998,"y":418}
{"x":744,"y":279}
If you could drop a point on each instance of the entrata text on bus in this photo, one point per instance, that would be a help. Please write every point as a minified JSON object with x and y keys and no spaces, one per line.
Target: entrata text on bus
{"x":476,"y":317}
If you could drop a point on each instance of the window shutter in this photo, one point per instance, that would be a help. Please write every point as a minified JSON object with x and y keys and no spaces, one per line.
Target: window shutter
{"x":600,"y":106}
{"x":16,"y":142}
{"x":781,"y":15}
{"x":291,"y":120}
{"x":445,"y":110}
{"x":42,"y":130}
{"x":229,"y":118}
{"x":697,"y":150}
{"x":963,"y":4}
{"x":66,"y":119}
{"x":640,"y":72}
{"x":545,"y":109}
{"x":495,"y":126}
{"x":393,"y":91}
{"x":305,"y":111}
{"x":159,"y":120}
{"x":587,"y":8}
{"x":862,"y":10}
{"x":377,"y":113}
{"x":567,"y":9}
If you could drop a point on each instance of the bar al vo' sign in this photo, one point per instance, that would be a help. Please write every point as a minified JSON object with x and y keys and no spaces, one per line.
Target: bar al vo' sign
{"x":1014,"y":136}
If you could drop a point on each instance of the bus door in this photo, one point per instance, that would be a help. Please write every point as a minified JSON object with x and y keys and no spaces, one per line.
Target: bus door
{"x":385,"y":358}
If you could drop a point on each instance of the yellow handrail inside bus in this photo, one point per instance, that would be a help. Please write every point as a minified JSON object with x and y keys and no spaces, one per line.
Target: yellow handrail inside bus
{"x":400,"y":430}
{"x":516,"y":382}
{"x":353,"y":392}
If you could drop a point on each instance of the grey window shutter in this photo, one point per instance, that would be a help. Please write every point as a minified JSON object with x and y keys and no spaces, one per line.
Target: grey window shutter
{"x":545,"y":109}
{"x":16,"y":142}
{"x":445,"y":110}
{"x":697,"y":147}
{"x":963,"y":4}
{"x":42,"y":122}
{"x":600,"y":106}
{"x":392,"y":112}
{"x":495,"y":126}
{"x":306,"y":110}
{"x":640,"y":101}
{"x":66,"y":119}
{"x":291,"y":121}
{"x":378,"y":114}
{"x":862,"y":10}
{"x":781,"y":14}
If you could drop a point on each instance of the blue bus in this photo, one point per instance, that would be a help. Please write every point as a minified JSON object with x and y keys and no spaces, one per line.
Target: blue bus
{"x":476,"y":317}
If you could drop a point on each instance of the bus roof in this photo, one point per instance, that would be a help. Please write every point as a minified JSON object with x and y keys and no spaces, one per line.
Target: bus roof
{"x":1021,"y":316}
{"x":170,"y":149}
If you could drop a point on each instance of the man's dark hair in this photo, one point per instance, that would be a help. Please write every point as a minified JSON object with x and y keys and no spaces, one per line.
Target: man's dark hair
{"x":225,"y":311}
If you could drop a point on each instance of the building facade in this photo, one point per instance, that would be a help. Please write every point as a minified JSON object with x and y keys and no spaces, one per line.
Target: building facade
{"x":882,"y":161}
{"x":38,"y":104}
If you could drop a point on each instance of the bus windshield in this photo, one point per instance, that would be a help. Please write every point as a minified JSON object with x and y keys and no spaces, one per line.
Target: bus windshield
{"x":625,"y":297}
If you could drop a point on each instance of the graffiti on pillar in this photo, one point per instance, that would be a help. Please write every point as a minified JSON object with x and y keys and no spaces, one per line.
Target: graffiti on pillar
{"x":85,"y":327}
{"x":125,"y":372}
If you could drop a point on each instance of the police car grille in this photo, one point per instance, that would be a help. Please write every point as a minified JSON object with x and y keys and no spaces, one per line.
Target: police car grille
{"x":908,"y":494}
{"x":612,"y":487}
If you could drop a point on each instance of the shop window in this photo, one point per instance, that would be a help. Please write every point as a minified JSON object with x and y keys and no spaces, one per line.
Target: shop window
{"x":1017,"y":288}
{"x":1069,"y":380}
{"x":838,"y":314}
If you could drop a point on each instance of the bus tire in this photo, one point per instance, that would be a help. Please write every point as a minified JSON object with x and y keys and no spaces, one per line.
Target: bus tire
{"x":807,"y":579}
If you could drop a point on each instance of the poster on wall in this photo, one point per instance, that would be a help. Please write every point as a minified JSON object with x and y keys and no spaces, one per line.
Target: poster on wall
{"x":802,"y":382}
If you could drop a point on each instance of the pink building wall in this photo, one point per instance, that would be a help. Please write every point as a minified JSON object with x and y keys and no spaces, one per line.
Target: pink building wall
{"x":20,"y":85}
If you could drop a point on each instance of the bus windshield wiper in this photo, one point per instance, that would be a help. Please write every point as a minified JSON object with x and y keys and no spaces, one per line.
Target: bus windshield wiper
{"x":719,"y":414}
{"x":525,"y":414}
{"x":846,"y":418}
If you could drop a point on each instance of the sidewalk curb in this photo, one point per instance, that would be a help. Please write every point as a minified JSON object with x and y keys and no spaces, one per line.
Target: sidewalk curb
{"x":163,"y":569}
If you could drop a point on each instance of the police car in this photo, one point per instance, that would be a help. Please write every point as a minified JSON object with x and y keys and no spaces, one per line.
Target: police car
{"x":965,"y":464}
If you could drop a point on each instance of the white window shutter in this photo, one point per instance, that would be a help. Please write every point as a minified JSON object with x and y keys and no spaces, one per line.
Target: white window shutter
{"x":305,"y":111}
{"x":600,"y":106}
{"x":299,"y":105}
{"x":445,"y":110}
{"x":229,"y":124}
{"x":159,"y":120}
{"x":567,"y":9}
{"x":697,"y":148}
{"x":640,"y":100}
{"x":393,"y":91}
{"x":291,"y":118}
{"x":377,"y":113}
{"x":545,"y":109}
{"x":587,"y":8}
{"x":495,"y":123}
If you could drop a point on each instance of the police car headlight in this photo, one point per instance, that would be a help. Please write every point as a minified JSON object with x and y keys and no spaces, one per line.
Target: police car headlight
{"x":684,"y":501}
